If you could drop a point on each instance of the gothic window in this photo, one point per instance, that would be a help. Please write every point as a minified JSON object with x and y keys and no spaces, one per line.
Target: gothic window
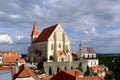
{"x":59,"y":45}
{"x":66,"y":46}
{"x":51,"y":46}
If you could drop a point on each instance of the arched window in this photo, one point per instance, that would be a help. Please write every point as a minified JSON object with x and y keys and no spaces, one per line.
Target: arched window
{"x":59,"y":46}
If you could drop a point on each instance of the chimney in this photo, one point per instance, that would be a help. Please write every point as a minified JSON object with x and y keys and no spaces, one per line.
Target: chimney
{"x":77,"y":74}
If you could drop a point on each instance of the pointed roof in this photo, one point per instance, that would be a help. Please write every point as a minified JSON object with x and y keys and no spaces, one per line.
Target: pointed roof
{"x":59,"y":53}
{"x":25,"y":71}
{"x":45,"y":34}
{"x":34,"y":31}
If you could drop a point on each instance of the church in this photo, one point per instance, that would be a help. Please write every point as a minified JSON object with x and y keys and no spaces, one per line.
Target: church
{"x":52,"y":44}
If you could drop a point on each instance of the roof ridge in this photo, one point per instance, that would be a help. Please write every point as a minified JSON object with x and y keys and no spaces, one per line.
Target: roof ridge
{"x":45,"y":34}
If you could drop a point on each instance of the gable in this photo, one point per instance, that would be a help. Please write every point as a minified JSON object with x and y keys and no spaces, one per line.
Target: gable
{"x":24,"y":72}
{"x":60,"y":34}
{"x":45,"y":34}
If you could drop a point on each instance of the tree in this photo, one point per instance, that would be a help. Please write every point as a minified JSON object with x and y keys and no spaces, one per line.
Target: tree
{"x":87,"y":72}
{"x":44,"y":58}
{"x":80,"y":67}
{"x":116,"y":70}
{"x":109,"y":76}
{"x":0,"y":65}
{"x":51,"y":57}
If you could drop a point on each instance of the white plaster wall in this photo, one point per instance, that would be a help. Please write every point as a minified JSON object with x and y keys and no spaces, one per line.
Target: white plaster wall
{"x":92,"y":62}
{"x":0,"y":59}
{"x":26,"y":78}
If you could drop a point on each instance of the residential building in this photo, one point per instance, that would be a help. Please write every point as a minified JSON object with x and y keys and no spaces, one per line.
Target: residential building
{"x":87,"y":54}
{"x":25,"y":73}
{"x":9,"y":58}
{"x":52,"y":43}
{"x":99,"y":70}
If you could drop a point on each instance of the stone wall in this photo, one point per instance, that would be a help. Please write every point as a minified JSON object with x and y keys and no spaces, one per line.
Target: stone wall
{"x":55,"y":67}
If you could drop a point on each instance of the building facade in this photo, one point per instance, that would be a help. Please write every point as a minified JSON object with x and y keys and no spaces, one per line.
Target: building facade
{"x":51,"y":44}
{"x":87,"y":54}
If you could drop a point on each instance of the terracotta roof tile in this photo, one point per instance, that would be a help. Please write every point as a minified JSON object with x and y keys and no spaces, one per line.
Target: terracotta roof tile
{"x":10,"y":57}
{"x":73,"y":75}
{"x":63,"y":76}
{"x":74,"y":53}
{"x":25,"y":71}
{"x":59,"y":53}
{"x":90,"y":78}
{"x":45,"y":34}
{"x":96,"y":68}
{"x":5,"y":68}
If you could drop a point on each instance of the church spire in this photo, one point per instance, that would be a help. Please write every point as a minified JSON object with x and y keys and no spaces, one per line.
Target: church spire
{"x":34,"y":31}
{"x":80,"y":46}
{"x":34,"y":34}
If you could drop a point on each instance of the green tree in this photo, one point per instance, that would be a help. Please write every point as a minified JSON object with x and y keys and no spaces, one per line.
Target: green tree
{"x":44,"y":58}
{"x":80,"y":67}
{"x":109,"y":76}
{"x":0,"y":65}
{"x":51,"y":57}
{"x":87,"y":72}
{"x":116,"y":70}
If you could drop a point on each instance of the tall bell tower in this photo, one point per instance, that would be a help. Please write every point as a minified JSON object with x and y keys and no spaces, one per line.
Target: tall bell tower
{"x":34,"y":33}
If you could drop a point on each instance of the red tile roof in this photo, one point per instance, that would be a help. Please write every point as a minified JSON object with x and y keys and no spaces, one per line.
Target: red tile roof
{"x":45,"y":34}
{"x":25,"y":71}
{"x":73,"y":75}
{"x":63,"y":76}
{"x":74,"y":53}
{"x":59,"y":53}
{"x":5,"y":68}
{"x":90,"y":78}
{"x":96,"y":68}
{"x":35,"y":31}
{"x":10,"y":57}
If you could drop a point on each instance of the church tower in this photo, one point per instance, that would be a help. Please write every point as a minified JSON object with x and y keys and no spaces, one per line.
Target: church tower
{"x":34,"y":33}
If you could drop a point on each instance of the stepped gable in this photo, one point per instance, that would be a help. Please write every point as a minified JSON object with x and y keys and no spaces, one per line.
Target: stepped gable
{"x":45,"y":34}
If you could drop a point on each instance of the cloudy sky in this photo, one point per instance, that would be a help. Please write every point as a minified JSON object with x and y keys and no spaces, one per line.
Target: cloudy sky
{"x":95,"y":23}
